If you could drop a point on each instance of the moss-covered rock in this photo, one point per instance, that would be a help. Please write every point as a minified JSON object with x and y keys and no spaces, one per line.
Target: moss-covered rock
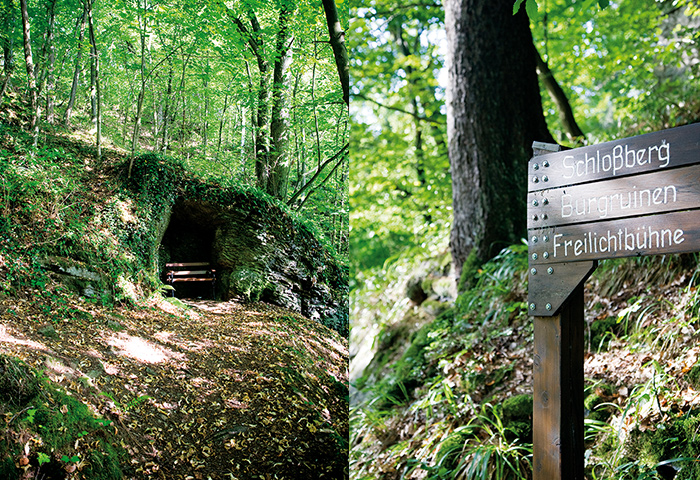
{"x":517,"y":416}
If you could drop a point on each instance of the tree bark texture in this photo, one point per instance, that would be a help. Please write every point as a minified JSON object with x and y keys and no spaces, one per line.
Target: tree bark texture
{"x":279,"y":131}
{"x":50,"y":62}
{"x":337,"y":37}
{"x":494,"y":113}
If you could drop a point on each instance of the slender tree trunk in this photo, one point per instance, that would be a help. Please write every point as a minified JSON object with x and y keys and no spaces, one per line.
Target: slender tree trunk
{"x":566,"y":115}
{"x":96,"y":69}
{"x":31,"y":73}
{"x":76,"y":70}
{"x":6,"y":39}
{"x":142,"y":92}
{"x":166,"y":109}
{"x":51,"y":62}
{"x":494,"y":113}
{"x":279,"y":133}
{"x":337,"y":37}
{"x":205,"y":122}
{"x":221,"y":125}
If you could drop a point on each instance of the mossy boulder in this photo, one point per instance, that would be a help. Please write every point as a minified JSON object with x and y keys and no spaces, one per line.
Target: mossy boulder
{"x":517,"y":416}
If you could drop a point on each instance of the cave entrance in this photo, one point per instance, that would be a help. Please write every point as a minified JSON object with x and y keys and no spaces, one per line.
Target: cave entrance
{"x":189,"y":239}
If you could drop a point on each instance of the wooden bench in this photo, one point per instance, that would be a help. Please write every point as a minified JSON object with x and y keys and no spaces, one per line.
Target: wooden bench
{"x":190,"y":272}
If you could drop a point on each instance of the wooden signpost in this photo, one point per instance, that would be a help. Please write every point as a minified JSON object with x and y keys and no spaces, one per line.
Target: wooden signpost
{"x":630,"y":197}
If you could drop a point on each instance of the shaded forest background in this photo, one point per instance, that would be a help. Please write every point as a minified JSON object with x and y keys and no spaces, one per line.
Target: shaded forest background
{"x":255,"y":91}
{"x":441,"y":375}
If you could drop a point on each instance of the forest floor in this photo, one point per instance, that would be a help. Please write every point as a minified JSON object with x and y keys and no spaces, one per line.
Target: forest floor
{"x":217,"y":390}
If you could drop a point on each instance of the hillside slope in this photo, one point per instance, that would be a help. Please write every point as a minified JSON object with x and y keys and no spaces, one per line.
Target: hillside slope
{"x":215,"y":390}
{"x":448,"y":393}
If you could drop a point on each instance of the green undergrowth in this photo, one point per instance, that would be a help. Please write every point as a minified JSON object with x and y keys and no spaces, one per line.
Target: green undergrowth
{"x":447,"y":399}
{"x":48,"y":434}
{"x":57,"y":206}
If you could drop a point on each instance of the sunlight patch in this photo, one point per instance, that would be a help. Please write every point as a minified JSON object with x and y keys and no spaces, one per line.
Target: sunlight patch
{"x":142,"y":350}
{"x":6,"y":337}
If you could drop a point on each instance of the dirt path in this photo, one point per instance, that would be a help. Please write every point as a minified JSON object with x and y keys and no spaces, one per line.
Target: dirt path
{"x":218,"y":391}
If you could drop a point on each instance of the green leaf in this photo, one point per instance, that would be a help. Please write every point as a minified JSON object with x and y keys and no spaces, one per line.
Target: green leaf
{"x":531,"y":8}
{"x":516,"y":6}
{"x":42,"y":458}
{"x":603,"y":3}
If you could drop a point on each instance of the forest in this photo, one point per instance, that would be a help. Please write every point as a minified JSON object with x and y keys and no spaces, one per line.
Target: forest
{"x":174,"y":239}
{"x":447,"y":100}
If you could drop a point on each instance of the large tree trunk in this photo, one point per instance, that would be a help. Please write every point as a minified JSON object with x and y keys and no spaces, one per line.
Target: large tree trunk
{"x":494,"y":113}
{"x":31,"y":73}
{"x":166,"y":109}
{"x":76,"y":70}
{"x":279,"y":133}
{"x":340,"y":53}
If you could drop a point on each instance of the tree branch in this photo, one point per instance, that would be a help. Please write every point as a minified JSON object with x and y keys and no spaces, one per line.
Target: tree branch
{"x":566,"y":115}
{"x":398,"y":109}
{"x":342,"y":152}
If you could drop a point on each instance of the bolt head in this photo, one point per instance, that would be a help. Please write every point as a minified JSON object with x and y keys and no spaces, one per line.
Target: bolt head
{"x":534,"y":256}
{"x":533,"y":271}
{"x":534,"y":239}
{"x":532,"y":306}
{"x":545,"y":178}
{"x":550,"y":270}
{"x":545,"y":201}
{"x":534,"y":217}
{"x":545,"y":163}
{"x":535,"y":179}
{"x":548,"y":306}
{"x":545,"y":238}
{"x":536,"y":166}
{"x":535,"y":203}
{"x":545,"y":254}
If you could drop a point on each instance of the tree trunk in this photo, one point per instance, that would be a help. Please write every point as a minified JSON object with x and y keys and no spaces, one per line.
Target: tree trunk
{"x":31,"y":73}
{"x":166,"y":110}
{"x":6,"y":39}
{"x":494,"y":113}
{"x":262,"y":149}
{"x":76,"y":71}
{"x":205,"y":122}
{"x":221,"y":125}
{"x":279,"y":134}
{"x":142,"y":92}
{"x":566,"y":115}
{"x":337,"y":36}
{"x":51,"y":62}
{"x":96,"y":69}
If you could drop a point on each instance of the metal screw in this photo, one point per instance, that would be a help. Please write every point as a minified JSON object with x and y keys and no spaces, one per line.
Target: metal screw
{"x":548,"y":306}
{"x":550,"y":270}
{"x":545,"y":178}
{"x":545,"y":254}
{"x":536,"y":166}
{"x":534,"y":217}
{"x":532,"y":306}
{"x":545,"y":238}
{"x":533,"y":271}
{"x":534,"y":239}
{"x":545,"y":201}
{"x":545,"y":163}
{"x":535,"y":203}
{"x":534,"y":256}
{"x":544,"y":216}
{"x":535,"y":179}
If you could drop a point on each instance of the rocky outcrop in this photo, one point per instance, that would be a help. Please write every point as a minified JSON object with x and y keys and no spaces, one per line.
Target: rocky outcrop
{"x":260,"y":253}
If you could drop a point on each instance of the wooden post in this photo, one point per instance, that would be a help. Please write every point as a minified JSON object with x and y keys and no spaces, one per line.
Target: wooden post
{"x":558,"y":393}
